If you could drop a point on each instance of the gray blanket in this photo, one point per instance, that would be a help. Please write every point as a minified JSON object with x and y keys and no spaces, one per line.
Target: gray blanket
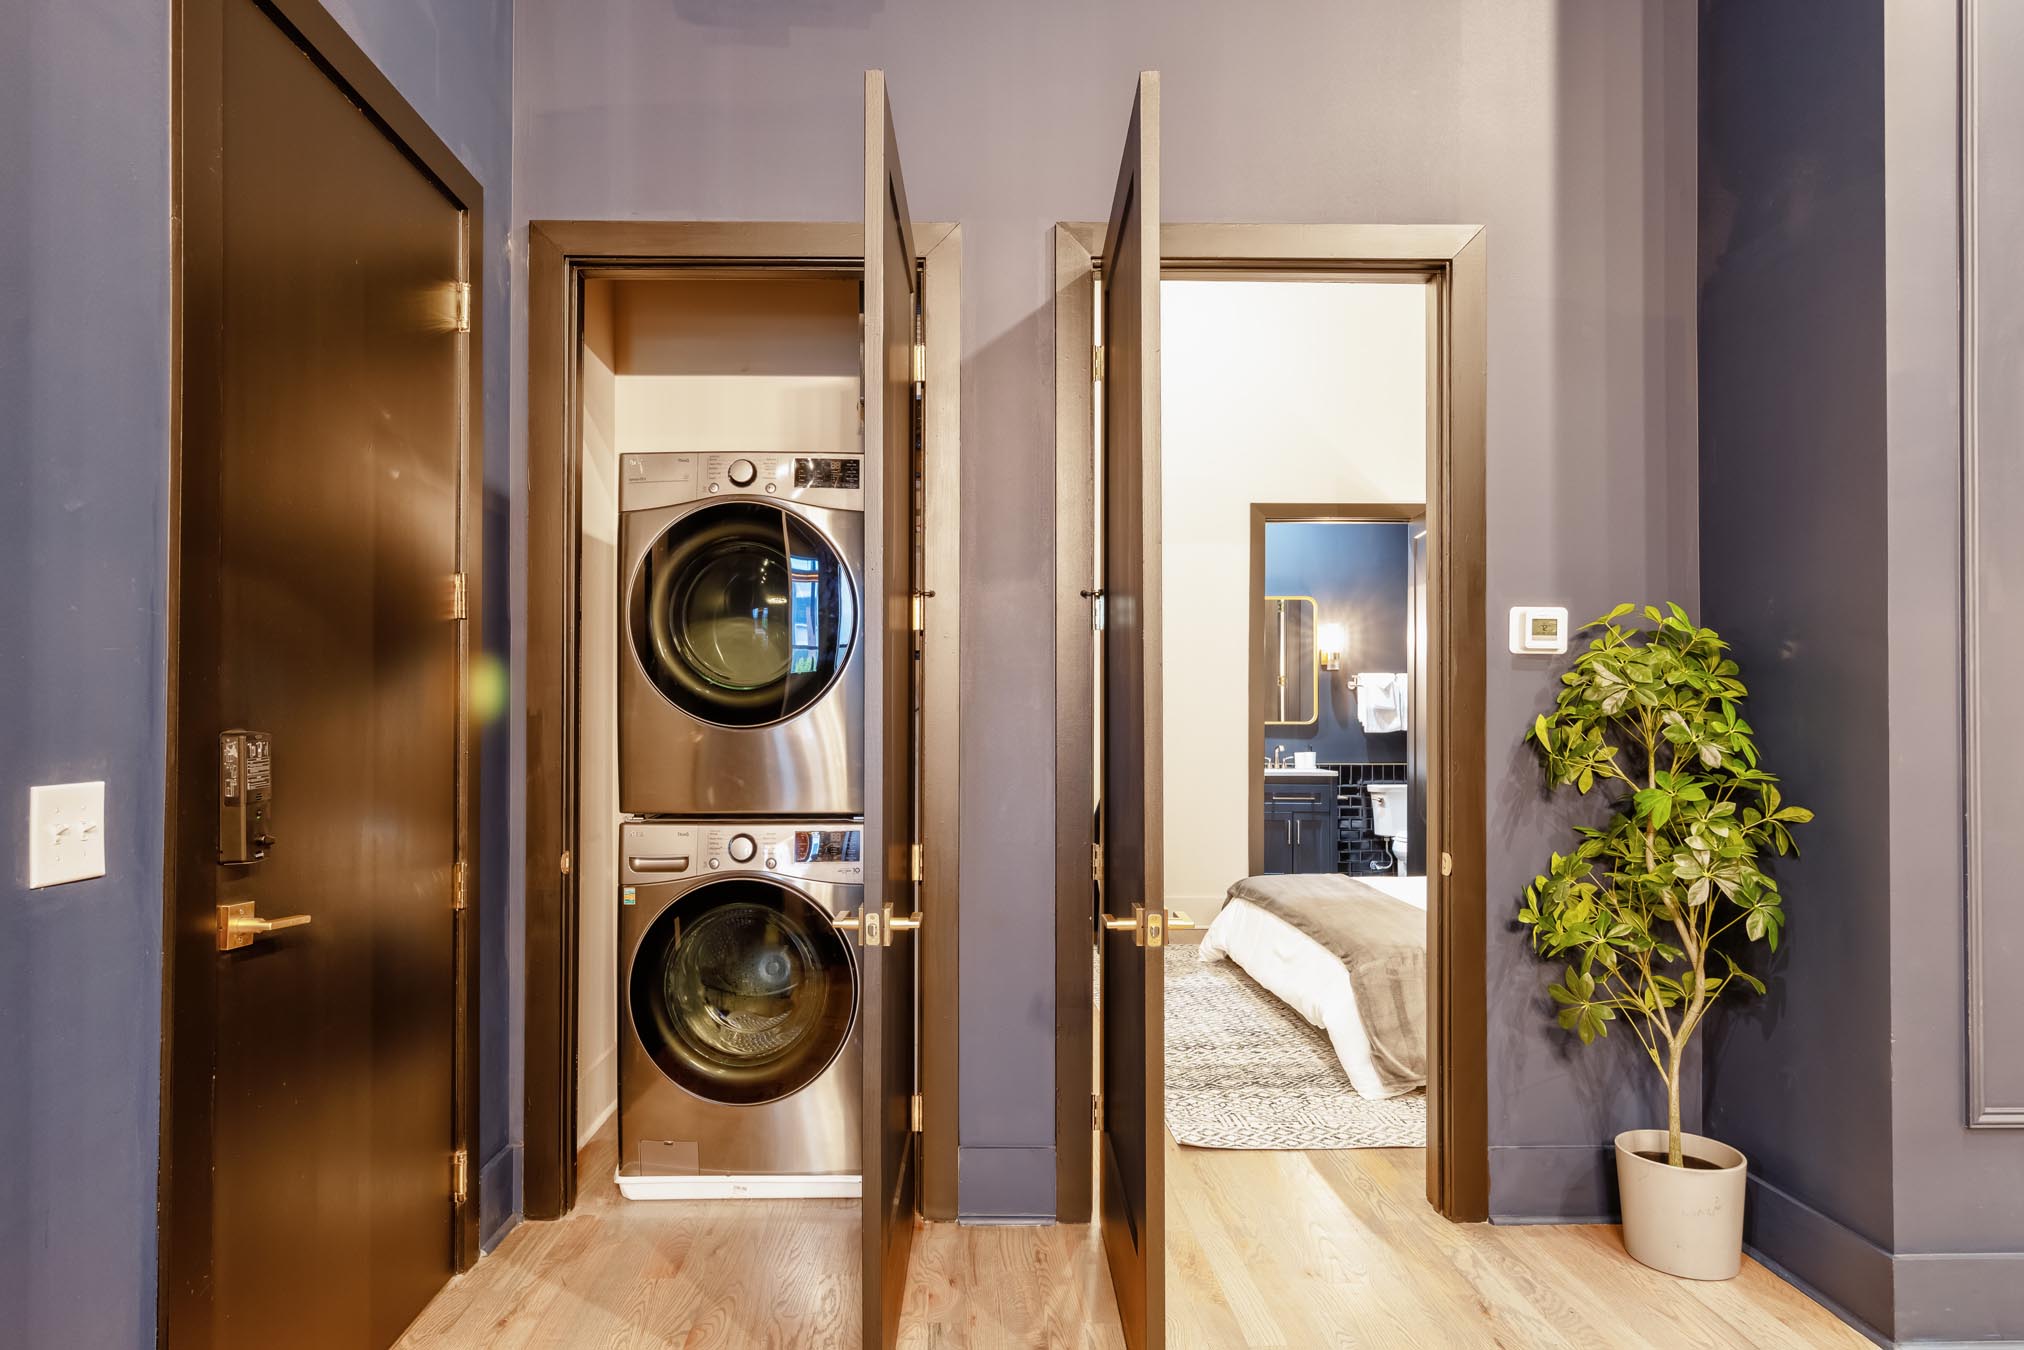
{"x":1381,"y":940}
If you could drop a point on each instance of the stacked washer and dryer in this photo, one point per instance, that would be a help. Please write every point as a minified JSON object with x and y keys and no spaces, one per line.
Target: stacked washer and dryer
{"x":741,"y":787}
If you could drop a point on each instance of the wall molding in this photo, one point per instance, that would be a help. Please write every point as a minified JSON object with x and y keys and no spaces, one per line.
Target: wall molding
{"x":1985,"y":1110}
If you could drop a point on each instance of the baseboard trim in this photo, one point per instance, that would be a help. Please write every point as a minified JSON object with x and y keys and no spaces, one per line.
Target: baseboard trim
{"x":1833,"y":1263}
{"x":1552,"y":1183}
{"x":1004,"y":1185}
{"x":596,"y":1085}
{"x":498,"y":1196}
{"x":1960,"y":1298}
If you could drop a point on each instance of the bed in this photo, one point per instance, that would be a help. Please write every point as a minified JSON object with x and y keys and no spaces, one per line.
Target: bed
{"x":1311,"y":977}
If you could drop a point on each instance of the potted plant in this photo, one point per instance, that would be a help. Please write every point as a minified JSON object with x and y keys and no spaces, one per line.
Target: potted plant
{"x":1646,"y":910}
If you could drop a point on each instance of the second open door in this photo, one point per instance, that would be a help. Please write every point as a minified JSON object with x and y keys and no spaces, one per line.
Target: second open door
{"x":891,"y":734}
{"x":1131,"y":1153}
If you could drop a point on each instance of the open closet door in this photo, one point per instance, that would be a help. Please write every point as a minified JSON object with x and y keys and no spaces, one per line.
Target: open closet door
{"x":1132,"y":1176}
{"x":886,"y":935}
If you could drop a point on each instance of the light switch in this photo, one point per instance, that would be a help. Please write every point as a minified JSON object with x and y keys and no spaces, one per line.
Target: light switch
{"x":66,"y":833}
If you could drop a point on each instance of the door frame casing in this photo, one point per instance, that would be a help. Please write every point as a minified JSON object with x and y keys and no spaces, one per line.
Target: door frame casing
{"x":1452,"y":261}
{"x":1279,"y":513}
{"x":189,"y":955}
{"x":561,"y":255}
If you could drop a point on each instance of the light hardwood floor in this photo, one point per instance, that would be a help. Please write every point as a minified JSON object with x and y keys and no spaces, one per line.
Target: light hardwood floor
{"x":1297,"y":1250}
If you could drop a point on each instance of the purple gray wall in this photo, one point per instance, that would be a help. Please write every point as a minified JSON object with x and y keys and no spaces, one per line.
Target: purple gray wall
{"x":1831,"y":416}
{"x":1567,"y":129}
{"x":84,"y":374}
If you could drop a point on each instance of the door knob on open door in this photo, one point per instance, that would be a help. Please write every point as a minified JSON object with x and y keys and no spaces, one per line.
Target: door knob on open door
{"x":239,"y":926}
{"x":1148,"y":927}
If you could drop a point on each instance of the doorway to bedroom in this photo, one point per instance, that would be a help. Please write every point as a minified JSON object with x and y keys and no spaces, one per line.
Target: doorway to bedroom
{"x":1294,"y":415}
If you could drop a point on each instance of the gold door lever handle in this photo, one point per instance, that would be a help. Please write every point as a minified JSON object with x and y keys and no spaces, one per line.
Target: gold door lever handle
{"x":875,"y":927}
{"x":1148,"y":927}
{"x":1121,"y":925}
{"x":239,"y":926}
{"x":1178,"y":919}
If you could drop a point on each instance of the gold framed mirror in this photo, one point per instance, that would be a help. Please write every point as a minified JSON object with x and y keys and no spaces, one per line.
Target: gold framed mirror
{"x":1292,"y":662}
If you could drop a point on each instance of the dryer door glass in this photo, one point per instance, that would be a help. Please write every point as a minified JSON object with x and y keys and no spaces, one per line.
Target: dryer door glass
{"x":742,"y":614}
{"x":743,"y":992}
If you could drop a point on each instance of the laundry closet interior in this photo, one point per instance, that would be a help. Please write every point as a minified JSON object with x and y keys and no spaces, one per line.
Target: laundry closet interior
{"x":743,"y":539}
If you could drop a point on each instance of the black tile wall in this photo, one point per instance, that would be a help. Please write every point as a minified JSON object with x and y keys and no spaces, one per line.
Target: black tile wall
{"x":1358,"y":850}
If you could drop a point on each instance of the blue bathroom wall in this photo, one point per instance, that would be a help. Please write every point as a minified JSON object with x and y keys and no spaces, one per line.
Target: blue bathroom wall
{"x":1358,"y":574}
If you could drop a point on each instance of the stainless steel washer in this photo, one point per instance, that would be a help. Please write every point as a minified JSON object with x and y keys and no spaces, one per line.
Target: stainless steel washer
{"x":741,"y":691}
{"x":739,"y":1063}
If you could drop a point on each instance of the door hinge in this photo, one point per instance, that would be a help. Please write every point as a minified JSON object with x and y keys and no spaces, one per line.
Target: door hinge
{"x":461,"y":302}
{"x":460,"y":884}
{"x":920,"y":366}
{"x":915,"y":1113}
{"x":1095,"y":363}
{"x":565,"y":862}
{"x":460,"y":1176}
{"x":919,"y":613}
{"x":1095,"y":598}
{"x":459,"y":606}
{"x":1096,"y":1110}
{"x":1447,"y":863}
{"x":917,"y":862}
{"x":1096,"y":862}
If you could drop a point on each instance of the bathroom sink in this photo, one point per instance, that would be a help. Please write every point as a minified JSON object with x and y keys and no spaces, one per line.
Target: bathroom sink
{"x":1290,"y":772}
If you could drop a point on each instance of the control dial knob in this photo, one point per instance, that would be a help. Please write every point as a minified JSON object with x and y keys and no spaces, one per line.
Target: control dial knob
{"x":742,"y":472}
{"x":742,"y":848}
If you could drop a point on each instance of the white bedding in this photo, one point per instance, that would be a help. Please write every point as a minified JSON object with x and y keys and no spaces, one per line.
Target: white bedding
{"x":1306,"y":976}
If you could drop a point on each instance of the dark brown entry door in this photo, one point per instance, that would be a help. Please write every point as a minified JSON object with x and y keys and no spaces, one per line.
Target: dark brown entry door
{"x":321,"y":547}
{"x":891,"y":708}
{"x":1132,"y":1174}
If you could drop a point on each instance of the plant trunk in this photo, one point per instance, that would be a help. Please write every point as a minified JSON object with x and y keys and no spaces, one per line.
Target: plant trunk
{"x":1674,"y":1152}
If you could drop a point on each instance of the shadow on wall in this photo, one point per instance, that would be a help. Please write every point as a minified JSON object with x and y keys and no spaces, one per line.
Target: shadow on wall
{"x":771,"y":23}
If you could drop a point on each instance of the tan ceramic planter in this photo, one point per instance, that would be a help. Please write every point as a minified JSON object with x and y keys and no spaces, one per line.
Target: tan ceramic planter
{"x":1683,"y":1221}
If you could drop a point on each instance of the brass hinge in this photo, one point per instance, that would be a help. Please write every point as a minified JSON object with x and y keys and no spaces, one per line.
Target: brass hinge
{"x":461,"y":300}
{"x":915,"y":1114}
{"x":460,"y":884}
{"x":459,"y":606}
{"x":1447,"y":863}
{"x":1096,"y":363}
{"x":565,"y":862}
{"x":1096,"y":862}
{"x":919,"y":612}
{"x":1095,"y":598}
{"x":920,"y":365}
{"x":917,"y":862}
{"x":1096,"y":1110}
{"x":460,"y":1176}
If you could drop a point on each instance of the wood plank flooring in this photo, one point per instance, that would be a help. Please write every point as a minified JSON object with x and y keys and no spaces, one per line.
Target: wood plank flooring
{"x":1291,"y":1250}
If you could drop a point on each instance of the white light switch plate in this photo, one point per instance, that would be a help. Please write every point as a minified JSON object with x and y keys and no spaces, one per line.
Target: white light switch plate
{"x":66,"y":833}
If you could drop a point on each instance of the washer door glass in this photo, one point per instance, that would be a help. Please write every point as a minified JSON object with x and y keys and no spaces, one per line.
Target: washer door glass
{"x":742,"y":614}
{"x":743,"y":992}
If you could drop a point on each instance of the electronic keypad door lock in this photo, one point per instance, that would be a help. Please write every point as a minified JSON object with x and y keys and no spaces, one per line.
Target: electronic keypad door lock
{"x":245,"y":797}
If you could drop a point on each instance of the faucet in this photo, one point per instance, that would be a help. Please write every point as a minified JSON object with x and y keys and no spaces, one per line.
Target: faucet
{"x":1280,"y":759}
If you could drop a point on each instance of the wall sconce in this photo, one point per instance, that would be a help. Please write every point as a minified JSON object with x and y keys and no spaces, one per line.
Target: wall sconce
{"x":1330,"y":643}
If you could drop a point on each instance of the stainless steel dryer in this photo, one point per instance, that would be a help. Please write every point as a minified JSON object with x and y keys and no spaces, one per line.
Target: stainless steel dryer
{"x":742,"y":692}
{"x":739,"y":1064}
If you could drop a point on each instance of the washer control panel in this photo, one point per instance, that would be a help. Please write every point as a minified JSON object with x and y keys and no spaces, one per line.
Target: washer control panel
{"x":650,"y":480}
{"x":653,"y":850}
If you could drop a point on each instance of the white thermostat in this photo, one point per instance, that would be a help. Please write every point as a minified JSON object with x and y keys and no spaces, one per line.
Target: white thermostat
{"x":1538,"y":630}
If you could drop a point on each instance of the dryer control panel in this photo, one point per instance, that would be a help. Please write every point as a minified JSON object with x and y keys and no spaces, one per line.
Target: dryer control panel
{"x":650,"y":480}
{"x":807,"y":850}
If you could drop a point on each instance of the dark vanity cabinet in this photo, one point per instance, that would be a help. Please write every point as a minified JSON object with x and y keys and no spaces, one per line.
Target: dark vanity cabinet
{"x":1300,"y":821}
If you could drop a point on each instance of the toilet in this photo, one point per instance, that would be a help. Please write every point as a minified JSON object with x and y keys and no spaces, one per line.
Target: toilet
{"x":1388,"y":819}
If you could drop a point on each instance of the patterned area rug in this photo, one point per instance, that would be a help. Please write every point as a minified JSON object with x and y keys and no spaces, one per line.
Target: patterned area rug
{"x":1246,"y":1071}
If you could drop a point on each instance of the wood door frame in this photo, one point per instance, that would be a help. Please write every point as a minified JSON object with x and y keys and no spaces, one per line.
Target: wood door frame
{"x":189,"y":957}
{"x":1451,"y":259}
{"x":1280,"y":513}
{"x":561,"y":255}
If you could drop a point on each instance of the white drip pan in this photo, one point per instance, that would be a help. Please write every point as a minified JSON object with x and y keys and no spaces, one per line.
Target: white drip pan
{"x":759,"y":1187}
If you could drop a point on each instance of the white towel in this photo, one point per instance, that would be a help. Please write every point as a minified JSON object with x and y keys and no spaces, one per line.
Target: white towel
{"x":1381,"y":700}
